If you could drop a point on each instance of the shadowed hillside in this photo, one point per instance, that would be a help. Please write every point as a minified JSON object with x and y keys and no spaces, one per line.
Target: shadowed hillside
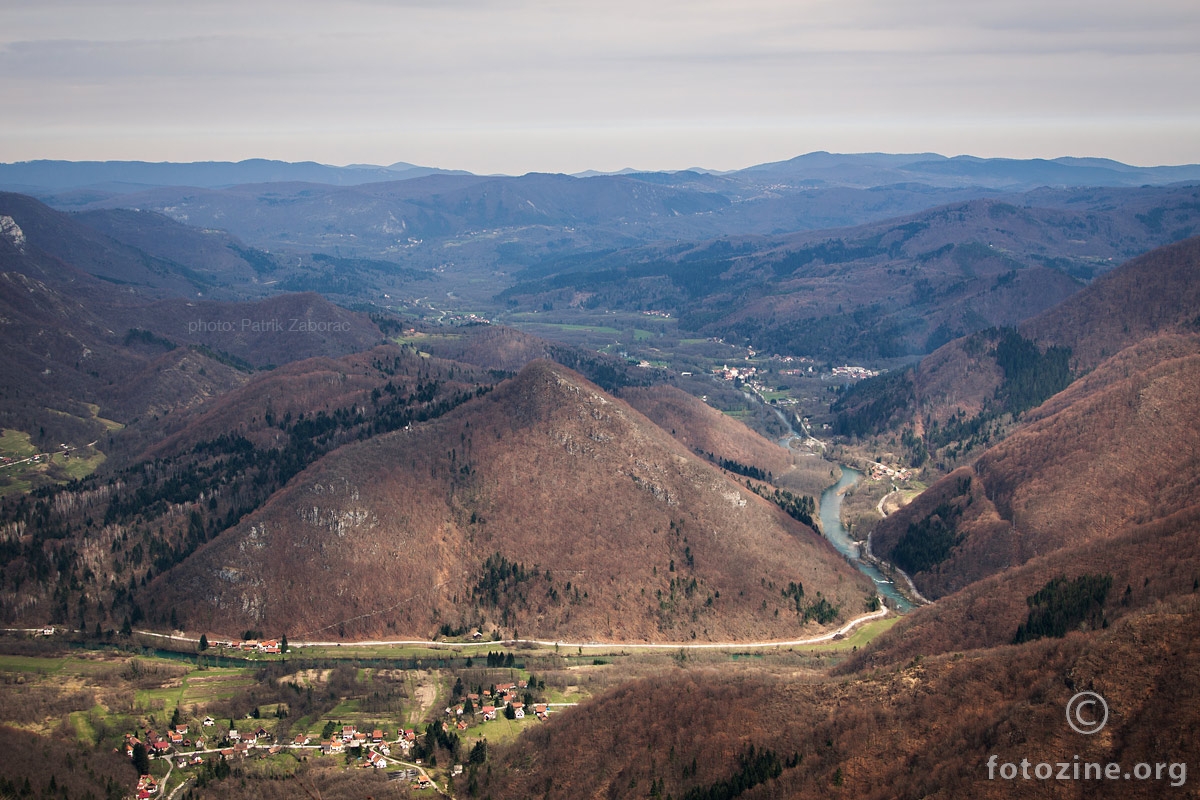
{"x":883,"y":290}
{"x":90,"y":333}
{"x":1154,"y":293}
{"x":544,"y":509}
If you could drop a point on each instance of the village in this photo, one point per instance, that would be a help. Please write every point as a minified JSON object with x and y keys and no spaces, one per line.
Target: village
{"x":212,"y":745}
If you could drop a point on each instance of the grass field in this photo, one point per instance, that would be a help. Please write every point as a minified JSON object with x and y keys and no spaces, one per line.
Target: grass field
{"x":37,"y":665}
{"x":565,"y":326}
{"x":15,"y":444}
{"x":21,"y":478}
{"x":107,"y":423}
{"x":355,"y":651}
{"x":500,"y":729}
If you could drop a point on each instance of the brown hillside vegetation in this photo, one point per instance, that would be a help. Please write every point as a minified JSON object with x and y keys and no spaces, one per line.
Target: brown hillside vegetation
{"x":716,"y":436}
{"x":546,"y":508}
{"x":320,"y":780}
{"x":924,"y":729}
{"x":1155,"y":293}
{"x":174,"y":481}
{"x":1118,"y":449}
{"x":700,"y":427}
{"x":951,"y":379}
{"x":58,"y":766}
{"x":312,"y":386}
{"x":1149,"y":564}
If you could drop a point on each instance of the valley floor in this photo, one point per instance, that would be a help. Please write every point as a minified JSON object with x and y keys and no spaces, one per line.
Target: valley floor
{"x":286,"y":706}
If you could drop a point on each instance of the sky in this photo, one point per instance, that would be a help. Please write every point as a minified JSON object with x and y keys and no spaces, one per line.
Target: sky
{"x":522,"y":85}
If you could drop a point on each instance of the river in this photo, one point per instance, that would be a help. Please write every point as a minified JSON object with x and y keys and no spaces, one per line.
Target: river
{"x":831,"y":524}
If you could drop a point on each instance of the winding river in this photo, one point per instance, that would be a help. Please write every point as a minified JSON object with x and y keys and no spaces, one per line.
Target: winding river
{"x":831,"y":524}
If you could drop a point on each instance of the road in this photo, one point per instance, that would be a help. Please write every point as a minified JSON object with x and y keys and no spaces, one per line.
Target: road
{"x":883,"y":500}
{"x":825,"y":637}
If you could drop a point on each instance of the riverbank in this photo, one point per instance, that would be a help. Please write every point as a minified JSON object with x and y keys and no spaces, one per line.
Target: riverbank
{"x":904,"y":596}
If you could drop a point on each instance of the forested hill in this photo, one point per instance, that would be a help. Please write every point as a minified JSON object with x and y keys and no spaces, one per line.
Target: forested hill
{"x":664,"y":546}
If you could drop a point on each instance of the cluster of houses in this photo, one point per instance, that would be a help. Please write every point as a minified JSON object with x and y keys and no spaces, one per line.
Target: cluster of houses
{"x":159,"y":745}
{"x":247,"y":645}
{"x":176,"y":741}
{"x":489,"y":705}
{"x":351,"y":738}
{"x":880,"y":471}
{"x":857,"y":373}
{"x":255,"y":738}
{"x":242,"y":742}
{"x":728,"y":373}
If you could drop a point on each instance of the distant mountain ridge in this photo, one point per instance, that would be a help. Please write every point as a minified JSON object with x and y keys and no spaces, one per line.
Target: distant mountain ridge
{"x":828,"y":169}
{"x":879,"y":169}
{"x":121,"y":177}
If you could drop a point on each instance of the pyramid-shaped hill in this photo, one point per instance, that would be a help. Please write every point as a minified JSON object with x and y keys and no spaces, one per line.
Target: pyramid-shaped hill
{"x":546,"y":508}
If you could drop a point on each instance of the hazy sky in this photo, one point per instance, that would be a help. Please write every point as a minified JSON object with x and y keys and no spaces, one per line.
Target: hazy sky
{"x":523,"y":85}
